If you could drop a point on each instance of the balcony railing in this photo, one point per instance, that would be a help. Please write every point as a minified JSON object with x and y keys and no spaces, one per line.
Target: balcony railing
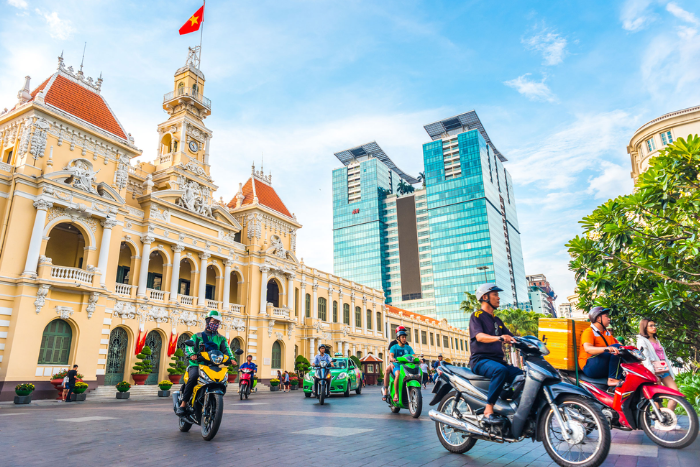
{"x":280,"y":312}
{"x":233,"y":308}
{"x":213,"y":304}
{"x":188,"y":92}
{"x":165,"y":158}
{"x":76,"y":274}
{"x":123,"y":289}
{"x":154,"y":294}
{"x":185,"y":299}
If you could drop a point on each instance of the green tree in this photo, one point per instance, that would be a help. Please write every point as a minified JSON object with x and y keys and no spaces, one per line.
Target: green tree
{"x":639,"y":253}
{"x":178,"y":365}
{"x":404,"y":188}
{"x":470,"y":304}
{"x":301,"y":365}
{"x":519,"y":322}
{"x":143,"y":365}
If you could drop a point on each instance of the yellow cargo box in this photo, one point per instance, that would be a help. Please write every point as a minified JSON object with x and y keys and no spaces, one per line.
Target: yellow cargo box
{"x":560,"y":334}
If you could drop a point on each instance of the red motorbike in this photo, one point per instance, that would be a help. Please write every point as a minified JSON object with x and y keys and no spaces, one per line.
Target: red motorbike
{"x":640,"y":402}
{"x":245,"y":384}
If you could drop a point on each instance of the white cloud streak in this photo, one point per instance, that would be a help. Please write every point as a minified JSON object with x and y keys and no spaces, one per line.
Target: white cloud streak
{"x":634,"y":15}
{"x":682,"y":14}
{"x":551,"y":45}
{"x":58,"y":28}
{"x":533,"y":90}
{"x":21,"y":4}
{"x":614,"y":181}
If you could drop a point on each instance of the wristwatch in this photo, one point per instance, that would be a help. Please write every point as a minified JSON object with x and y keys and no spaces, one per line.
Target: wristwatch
{"x":500,"y":338}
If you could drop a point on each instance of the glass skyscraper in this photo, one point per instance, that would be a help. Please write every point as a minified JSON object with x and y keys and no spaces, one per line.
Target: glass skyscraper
{"x":426,"y":248}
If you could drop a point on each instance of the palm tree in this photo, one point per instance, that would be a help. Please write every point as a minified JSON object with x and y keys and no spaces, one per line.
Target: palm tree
{"x":520,"y":322}
{"x":421,"y":177}
{"x":404,"y":188}
{"x":470,"y":304}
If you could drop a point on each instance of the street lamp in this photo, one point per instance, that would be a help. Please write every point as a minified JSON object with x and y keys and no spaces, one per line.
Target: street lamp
{"x":483,"y":268}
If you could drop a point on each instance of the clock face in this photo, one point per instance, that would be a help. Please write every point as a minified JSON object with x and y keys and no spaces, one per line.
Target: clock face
{"x":194,"y":147}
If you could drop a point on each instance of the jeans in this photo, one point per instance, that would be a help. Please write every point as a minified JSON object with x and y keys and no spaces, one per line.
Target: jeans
{"x":604,"y":365}
{"x":499,"y":374}
{"x":70,"y":388}
{"x":192,"y":378}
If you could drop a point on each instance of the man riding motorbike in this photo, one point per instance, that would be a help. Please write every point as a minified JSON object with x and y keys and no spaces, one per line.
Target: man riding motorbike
{"x":212,"y":340}
{"x":487,"y":333}
{"x":599,"y":351}
{"x":322,"y":356}
{"x":250,"y":366}
{"x":389,"y":368}
{"x":398,"y":350}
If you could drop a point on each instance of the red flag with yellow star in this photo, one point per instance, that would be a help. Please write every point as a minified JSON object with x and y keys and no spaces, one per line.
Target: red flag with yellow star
{"x":193,"y":23}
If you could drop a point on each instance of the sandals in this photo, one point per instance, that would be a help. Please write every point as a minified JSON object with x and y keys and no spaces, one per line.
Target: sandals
{"x":384,"y":394}
{"x":396,"y":398}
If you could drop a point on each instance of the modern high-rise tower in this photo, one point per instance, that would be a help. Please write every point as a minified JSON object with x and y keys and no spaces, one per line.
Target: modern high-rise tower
{"x":427,"y":247}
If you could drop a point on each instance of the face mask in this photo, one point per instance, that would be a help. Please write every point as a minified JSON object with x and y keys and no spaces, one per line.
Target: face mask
{"x":213,"y":326}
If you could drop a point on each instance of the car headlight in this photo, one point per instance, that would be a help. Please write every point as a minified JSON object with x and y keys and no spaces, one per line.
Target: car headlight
{"x":342,"y":375}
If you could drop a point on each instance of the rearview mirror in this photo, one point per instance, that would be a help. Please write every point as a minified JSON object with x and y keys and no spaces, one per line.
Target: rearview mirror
{"x":189,"y":343}
{"x":239,"y":352}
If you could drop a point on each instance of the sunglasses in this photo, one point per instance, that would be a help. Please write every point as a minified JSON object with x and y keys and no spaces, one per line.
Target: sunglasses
{"x":651,"y":325}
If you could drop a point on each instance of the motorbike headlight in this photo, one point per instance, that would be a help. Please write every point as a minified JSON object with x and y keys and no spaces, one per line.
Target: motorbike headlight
{"x":542,"y":347}
{"x":203,"y":377}
{"x":342,"y":375}
{"x":637,"y":354}
{"x":217,"y":358}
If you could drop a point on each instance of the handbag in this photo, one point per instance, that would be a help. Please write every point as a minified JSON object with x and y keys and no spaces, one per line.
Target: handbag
{"x":660,"y":367}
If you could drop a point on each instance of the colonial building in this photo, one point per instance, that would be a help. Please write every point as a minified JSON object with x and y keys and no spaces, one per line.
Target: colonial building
{"x":99,"y":255}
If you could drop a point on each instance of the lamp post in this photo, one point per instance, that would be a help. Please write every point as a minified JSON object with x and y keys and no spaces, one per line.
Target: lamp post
{"x":484,"y":268}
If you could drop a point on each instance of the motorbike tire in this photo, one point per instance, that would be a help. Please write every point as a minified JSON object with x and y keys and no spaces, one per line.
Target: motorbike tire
{"x":468,"y":442}
{"x":241,"y":391}
{"x":601,"y":420}
{"x":415,"y":407}
{"x":184,"y":426}
{"x":395,"y":409}
{"x":210,"y":429}
{"x":321,"y":392}
{"x":307,"y":394}
{"x":692,"y":431}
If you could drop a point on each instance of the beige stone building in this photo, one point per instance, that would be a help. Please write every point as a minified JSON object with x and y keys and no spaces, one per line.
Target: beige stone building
{"x":97,"y":252}
{"x":653,"y":136}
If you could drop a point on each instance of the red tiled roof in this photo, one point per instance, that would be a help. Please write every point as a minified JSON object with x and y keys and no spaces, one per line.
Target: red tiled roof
{"x":370,"y":358}
{"x":41,"y":86}
{"x":267,"y":196}
{"x":81,"y":102}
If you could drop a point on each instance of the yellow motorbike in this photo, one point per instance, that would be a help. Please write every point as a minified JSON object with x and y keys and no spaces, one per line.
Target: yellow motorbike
{"x":206,"y":408}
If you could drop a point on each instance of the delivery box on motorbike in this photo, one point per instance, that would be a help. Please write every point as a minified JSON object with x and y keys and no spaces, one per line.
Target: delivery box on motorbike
{"x":562,"y":336}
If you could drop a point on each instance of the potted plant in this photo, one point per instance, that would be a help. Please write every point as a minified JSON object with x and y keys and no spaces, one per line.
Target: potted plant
{"x":142,"y":368}
{"x":79,"y":391}
{"x":177,"y":367}
{"x":294,"y":382}
{"x":57,"y":381}
{"x":164,"y":386}
{"x":123,"y":389}
{"x":232,"y":373}
{"x":301,"y":366}
{"x":274,"y":384}
{"x":24,"y":393}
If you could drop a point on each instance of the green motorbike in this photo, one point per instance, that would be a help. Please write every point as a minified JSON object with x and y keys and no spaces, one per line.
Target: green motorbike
{"x":410,"y":378}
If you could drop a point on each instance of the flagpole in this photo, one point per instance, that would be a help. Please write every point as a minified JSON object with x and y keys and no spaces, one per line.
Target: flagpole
{"x":201,"y":33}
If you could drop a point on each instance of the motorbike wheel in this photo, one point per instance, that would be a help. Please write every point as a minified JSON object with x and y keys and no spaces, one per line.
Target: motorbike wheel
{"x":395,"y":409}
{"x":211,"y":423}
{"x":241,"y":391}
{"x":321,"y":392}
{"x":307,"y":394}
{"x":184,"y":426}
{"x":453,"y":440}
{"x":415,"y":402}
{"x":572,"y":454}
{"x":684,"y":416}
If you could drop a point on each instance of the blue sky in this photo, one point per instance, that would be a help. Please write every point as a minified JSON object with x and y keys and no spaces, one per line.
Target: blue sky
{"x":559,"y":86}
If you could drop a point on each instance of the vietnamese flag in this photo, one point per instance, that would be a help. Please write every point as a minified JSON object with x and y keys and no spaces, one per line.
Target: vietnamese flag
{"x":193,"y":23}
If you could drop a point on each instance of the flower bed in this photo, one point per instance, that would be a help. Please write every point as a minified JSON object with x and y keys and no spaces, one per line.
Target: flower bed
{"x":24,"y":389}
{"x":123,"y":386}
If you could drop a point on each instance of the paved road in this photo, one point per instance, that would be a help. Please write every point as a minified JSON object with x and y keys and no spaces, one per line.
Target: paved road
{"x":271,"y":429}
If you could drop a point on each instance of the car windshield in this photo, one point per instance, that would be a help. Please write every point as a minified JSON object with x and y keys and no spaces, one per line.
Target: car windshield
{"x":339,"y":364}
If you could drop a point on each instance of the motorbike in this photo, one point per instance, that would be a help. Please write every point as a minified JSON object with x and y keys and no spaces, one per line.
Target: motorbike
{"x":206,"y":408}
{"x":537,"y":405}
{"x":641,"y":403}
{"x":322,"y":387}
{"x":247,"y":383}
{"x":410,"y":378}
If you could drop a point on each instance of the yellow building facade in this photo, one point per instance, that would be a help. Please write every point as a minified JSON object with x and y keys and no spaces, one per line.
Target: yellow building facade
{"x":97,"y":251}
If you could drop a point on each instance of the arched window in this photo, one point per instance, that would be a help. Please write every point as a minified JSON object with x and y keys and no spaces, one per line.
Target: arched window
{"x":195,"y":89}
{"x":276,"y":355}
{"x":346,"y":314}
{"x":308,"y":306}
{"x":335,"y":311}
{"x":369,"y":319}
{"x":322,"y":308}
{"x":55,"y":343}
{"x":358,"y":317}
{"x":379,"y":322}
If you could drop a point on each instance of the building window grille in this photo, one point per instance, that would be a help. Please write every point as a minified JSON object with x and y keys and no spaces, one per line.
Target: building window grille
{"x":445,"y":342}
{"x":369,"y":319}
{"x":432,"y":341}
{"x":379,"y":321}
{"x":424,"y":337}
{"x":55,"y":343}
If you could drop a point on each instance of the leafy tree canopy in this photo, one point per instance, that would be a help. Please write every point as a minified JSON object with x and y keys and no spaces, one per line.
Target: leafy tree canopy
{"x":638,"y":254}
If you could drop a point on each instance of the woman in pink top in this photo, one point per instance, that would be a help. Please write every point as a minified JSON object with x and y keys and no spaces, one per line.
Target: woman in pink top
{"x":655,"y":355}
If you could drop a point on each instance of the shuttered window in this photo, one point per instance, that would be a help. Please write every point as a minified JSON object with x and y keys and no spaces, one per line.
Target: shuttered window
{"x":55,"y":343}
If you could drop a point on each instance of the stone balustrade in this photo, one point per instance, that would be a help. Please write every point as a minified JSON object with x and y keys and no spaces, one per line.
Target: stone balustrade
{"x":154,"y":294}
{"x":123,"y":289}
{"x":75,"y":274}
{"x":186,"y":299}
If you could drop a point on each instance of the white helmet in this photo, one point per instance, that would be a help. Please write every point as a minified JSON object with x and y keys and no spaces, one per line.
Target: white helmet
{"x":483,"y":289}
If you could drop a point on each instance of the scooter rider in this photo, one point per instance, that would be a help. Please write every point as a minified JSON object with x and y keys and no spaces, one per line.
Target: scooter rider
{"x":212,"y":340}
{"x":389,"y":368}
{"x":399,"y":350}
{"x":251,"y":366}
{"x":321,"y":357}
{"x":487,"y":333}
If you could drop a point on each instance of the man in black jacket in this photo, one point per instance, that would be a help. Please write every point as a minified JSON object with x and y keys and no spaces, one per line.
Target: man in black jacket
{"x":72,"y":375}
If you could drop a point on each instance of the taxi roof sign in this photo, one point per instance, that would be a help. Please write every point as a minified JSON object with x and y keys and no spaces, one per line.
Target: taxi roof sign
{"x":338,"y":354}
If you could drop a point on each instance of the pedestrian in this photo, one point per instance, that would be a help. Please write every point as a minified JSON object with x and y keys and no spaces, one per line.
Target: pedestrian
{"x":72,"y":375}
{"x":279,"y":377}
{"x":286,"y":381}
{"x":363,"y":379}
{"x":656,"y":360}
{"x":65,"y":387}
{"x":426,"y":372}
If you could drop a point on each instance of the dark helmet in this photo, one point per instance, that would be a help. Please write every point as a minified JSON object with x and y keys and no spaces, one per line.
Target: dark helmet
{"x":597,"y":311}
{"x":401,"y":333}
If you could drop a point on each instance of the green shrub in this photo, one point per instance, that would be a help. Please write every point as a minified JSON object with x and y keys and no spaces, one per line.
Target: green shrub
{"x":123,"y":386}
{"x":143,"y":366}
{"x":165,"y":385}
{"x":24,"y":389}
{"x":178,"y":366}
{"x":80,"y":387}
{"x":301,"y":365}
{"x":274,"y":382}
{"x":689,"y":384}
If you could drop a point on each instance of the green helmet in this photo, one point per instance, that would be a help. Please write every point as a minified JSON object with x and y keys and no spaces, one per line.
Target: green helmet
{"x":214,"y":315}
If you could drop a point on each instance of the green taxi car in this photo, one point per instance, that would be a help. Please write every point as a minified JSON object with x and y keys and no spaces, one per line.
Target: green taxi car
{"x":345,"y":377}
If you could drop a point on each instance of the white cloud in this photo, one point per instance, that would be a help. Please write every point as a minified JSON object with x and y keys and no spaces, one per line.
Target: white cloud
{"x":634,"y":14}
{"x":58,"y":28}
{"x":533,"y":90}
{"x":680,"y":13}
{"x":552,"y":46}
{"x":22,"y":4}
{"x":614,"y":181}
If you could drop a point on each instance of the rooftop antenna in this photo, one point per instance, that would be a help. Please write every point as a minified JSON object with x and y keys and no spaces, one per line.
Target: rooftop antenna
{"x":83,"y":59}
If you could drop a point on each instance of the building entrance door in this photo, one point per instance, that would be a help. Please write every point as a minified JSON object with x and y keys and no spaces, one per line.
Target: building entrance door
{"x":116,"y":357}
{"x":155,"y":343}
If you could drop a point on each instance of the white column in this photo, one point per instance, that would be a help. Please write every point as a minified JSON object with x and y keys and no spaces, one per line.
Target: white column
{"x":340,"y":347}
{"x":143,"y":272}
{"x":354,"y":351}
{"x":352,"y":312}
{"x":227,"y":282}
{"x":207,"y":142}
{"x":107,"y":225}
{"x":290,"y":294}
{"x":302,"y":301}
{"x":175,"y":276}
{"x":340,"y":306}
{"x":263,"y":289}
{"x":32,"y":263}
{"x":314,"y":300}
{"x":363,"y":317}
{"x":347,"y":349}
{"x":201,"y":295}
{"x":312,"y":347}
